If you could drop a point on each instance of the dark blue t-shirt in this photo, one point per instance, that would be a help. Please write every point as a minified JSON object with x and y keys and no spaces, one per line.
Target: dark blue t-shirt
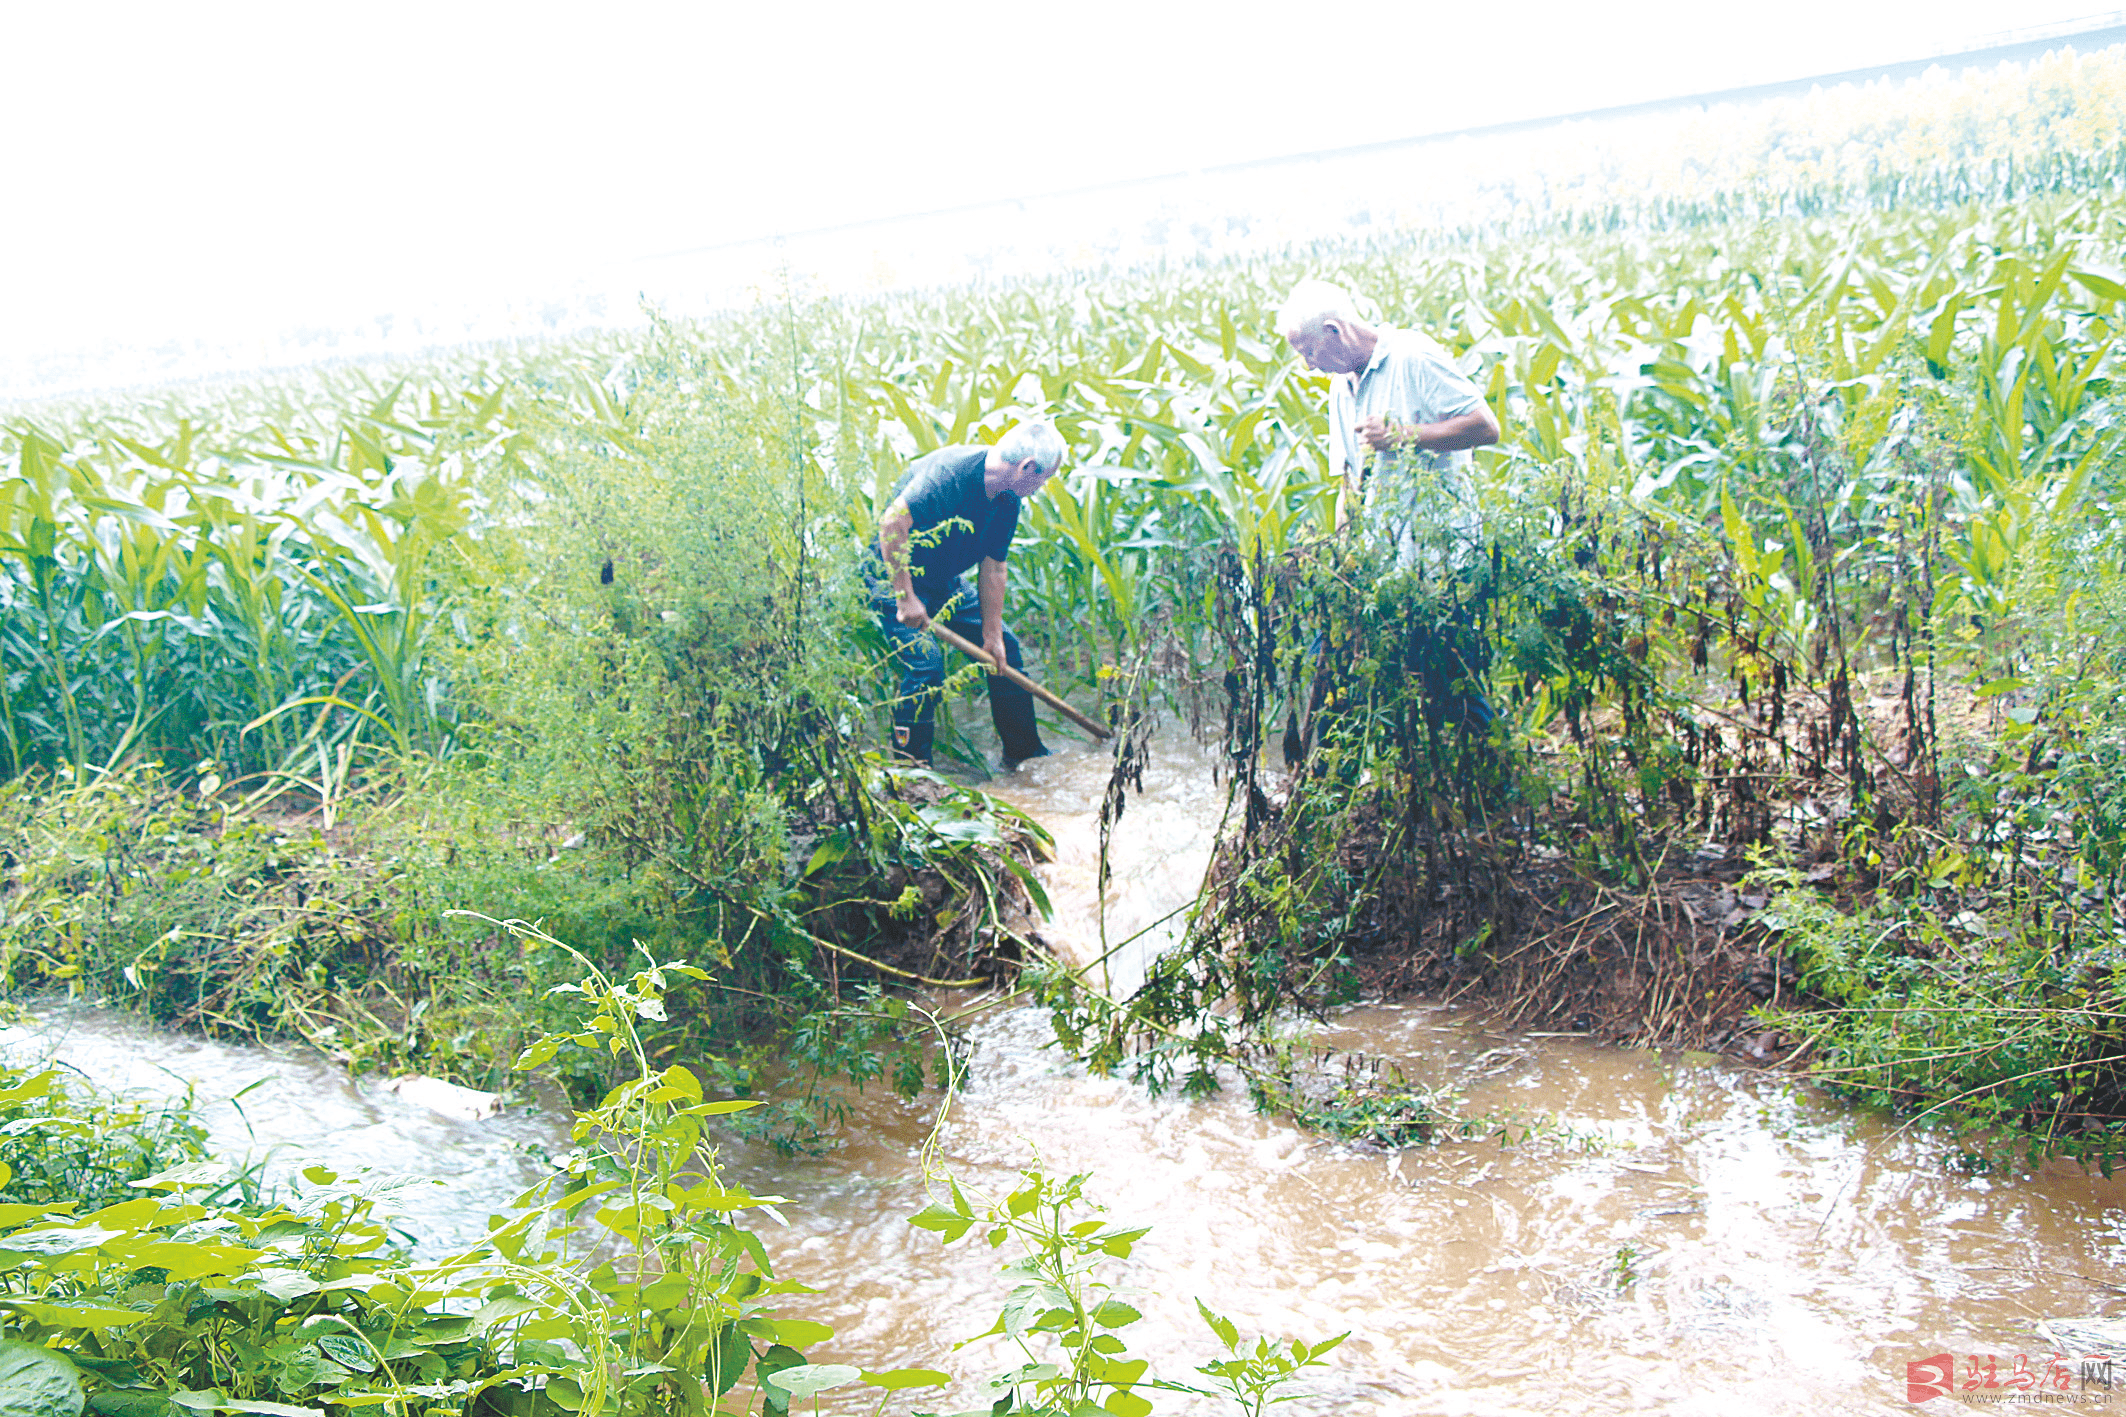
{"x":953,"y":521}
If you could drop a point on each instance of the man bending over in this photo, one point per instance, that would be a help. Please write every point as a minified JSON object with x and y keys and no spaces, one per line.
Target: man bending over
{"x":1397,"y":393}
{"x":952,"y":510}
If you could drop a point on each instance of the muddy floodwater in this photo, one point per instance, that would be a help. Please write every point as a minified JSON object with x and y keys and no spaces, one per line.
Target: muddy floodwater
{"x":1668,"y":1234}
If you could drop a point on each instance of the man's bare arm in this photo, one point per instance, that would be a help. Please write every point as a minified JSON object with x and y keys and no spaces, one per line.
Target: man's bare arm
{"x":893,"y":531}
{"x":1473,"y":429}
{"x":989,"y":582}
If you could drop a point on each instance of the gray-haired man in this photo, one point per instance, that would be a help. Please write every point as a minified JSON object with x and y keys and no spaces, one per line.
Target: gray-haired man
{"x":1397,"y":392}
{"x":952,"y":510}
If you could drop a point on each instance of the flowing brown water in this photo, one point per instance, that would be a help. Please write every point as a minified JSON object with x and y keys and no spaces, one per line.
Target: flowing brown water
{"x":280,"y":1110}
{"x":1678,"y":1235}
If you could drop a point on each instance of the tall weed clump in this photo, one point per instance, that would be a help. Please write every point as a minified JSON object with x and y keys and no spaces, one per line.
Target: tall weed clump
{"x":673,"y":689}
{"x":672,"y":648}
{"x":1982,"y":983}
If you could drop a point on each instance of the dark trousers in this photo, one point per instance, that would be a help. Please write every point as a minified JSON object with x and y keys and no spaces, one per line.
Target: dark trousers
{"x":1449,"y":661}
{"x":921,"y":662}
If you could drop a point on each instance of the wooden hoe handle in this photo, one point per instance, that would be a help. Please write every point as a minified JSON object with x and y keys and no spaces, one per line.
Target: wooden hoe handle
{"x":981,"y":656}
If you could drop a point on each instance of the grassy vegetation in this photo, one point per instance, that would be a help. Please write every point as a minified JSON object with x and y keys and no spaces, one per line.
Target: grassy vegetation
{"x":550,"y":643}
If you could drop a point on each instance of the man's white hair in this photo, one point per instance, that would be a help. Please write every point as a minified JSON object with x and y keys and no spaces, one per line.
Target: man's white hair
{"x":1313,"y":301}
{"x":1036,"y":438}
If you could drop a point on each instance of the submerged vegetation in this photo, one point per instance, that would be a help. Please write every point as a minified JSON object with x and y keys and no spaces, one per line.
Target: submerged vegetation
{"x":1800,"y":617}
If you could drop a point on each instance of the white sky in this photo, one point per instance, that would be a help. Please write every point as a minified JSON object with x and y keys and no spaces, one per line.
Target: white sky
{"x":174,"y":169}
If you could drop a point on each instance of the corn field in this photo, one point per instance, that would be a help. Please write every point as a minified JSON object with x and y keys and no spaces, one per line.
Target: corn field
{"x":270,"y":579}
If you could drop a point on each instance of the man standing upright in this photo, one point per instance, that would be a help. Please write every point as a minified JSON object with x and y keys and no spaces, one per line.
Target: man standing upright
{"x":952,"y":510}
{"x":1398,"y":393}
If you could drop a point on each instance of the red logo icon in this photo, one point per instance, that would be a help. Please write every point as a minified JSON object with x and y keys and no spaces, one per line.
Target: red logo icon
{"x":1930,"y":1377}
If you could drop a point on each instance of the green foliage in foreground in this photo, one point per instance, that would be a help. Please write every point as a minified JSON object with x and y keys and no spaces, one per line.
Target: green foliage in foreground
{"x":1059,"y":1302}
{"x":623,"y":1285}
{"x":171,"y":1301}
{"x":76,"y":1144}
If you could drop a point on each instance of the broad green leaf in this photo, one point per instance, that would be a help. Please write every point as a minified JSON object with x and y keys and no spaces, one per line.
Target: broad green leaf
{"x":777,"y":1359}
{"x":347,"y":1350}
{"x":796,"y":1333}
{"x":1123,"y":1372}
{"x":29,"y":1088}
{"x":186,"y":1261}
{"x":943,"y":1221}
{"x":1223,"y":1327}
{"x":727,"y":1359}
{"x":501,"y":1309}
{"x":196,"y":1173}
{"x":286,"y":1284}
{"x":1120,"y":1242}
{"x":1544,"y":367}
{"x":118,"y":1402}
{"x":833,"y":847}
{"x":1739,"y":535}
{"x":807,"y":1379}
{"x":36,"y":1382}
{"x":75,"y":1314}
{"x":2101,"y":286}
{"x":58,"y":1240}
{"x":14,"y":1215}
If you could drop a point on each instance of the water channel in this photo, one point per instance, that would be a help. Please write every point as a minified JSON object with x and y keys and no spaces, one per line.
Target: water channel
{"x":1681,"y":1235}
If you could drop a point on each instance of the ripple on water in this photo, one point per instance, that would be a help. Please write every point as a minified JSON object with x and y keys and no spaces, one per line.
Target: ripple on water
{"x":285,"y":1109}
{"x":1681,"y":1238}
